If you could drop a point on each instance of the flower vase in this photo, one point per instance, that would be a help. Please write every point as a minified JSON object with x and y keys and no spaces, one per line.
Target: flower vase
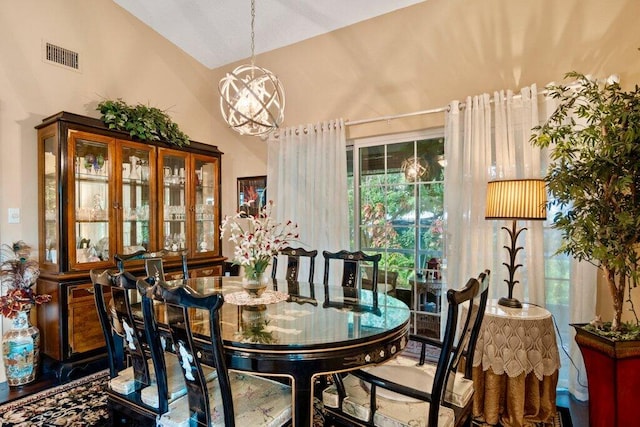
{"x":254,"y":282}
{"x":21,"y":350}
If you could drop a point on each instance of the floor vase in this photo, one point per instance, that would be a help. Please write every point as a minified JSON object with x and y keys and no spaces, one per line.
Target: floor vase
{"x":21,"y":350}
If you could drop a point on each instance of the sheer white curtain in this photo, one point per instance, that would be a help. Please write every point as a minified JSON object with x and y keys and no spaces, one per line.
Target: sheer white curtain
{"x":307,"y":180}
{"x":489,"y":139}
{"x":485,"y":142}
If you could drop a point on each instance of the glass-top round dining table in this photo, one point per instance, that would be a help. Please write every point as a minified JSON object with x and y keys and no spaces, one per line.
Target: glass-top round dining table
{"x":300,"y":330}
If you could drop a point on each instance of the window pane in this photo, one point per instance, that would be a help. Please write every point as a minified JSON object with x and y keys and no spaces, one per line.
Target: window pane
{"x":398,"y":189}
{"x":372,"y":165}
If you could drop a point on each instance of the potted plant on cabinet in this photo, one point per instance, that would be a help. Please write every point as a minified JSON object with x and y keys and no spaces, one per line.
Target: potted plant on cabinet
{"x":594,"y":176}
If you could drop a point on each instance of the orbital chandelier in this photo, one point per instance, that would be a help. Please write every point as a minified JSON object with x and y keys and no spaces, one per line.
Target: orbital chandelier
{"x":251,"y":97}
{"x":414,"y":168}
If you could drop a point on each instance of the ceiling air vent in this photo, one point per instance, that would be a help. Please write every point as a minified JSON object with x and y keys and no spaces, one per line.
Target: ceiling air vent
{"x":60,"y":56}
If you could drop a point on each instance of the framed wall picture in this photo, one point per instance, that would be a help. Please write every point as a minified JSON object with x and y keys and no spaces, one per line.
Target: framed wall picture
{"x":252,"y":194}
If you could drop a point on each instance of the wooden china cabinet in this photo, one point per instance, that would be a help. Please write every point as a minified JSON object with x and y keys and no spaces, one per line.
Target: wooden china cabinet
{"x":102,"y":193}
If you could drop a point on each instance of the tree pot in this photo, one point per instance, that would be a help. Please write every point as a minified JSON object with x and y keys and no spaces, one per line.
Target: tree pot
{"x":613,"y":373}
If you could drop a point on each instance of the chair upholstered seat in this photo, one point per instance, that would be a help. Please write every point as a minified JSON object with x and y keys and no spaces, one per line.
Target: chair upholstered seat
{"x":405,"y":391}
{"x":390,"y":412}
{"x":125,"y":381}
{"x":175,"y":382}
{"x":408,"y":367}
{"x":256,"y":401}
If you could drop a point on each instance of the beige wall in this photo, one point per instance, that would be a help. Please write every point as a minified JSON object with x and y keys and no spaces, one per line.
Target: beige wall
{"x":414,"y":59}
{"x":120,"y":58}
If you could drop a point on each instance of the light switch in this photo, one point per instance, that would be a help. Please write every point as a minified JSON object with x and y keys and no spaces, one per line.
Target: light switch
{"x":14,"y":215}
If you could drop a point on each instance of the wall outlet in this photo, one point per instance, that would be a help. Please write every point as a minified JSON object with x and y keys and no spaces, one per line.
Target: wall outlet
{"x":14,"y":215}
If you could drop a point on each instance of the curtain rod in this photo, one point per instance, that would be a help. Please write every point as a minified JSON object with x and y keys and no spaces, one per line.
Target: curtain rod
{"x":395,"y":116}
{"x":419,"y":113}
{"x":543,"y":92}
{"x":434,"y":110}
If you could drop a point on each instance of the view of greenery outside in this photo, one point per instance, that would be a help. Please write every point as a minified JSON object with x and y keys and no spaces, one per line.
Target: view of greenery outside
{"x":403,"y":220}
{"x":400,"y":217}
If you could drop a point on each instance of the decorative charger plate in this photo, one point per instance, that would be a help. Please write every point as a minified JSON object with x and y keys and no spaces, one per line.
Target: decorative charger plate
{"x":243,"y":298}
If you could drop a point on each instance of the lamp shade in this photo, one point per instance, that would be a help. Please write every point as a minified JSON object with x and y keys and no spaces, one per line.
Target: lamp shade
{"x":516,"y":199}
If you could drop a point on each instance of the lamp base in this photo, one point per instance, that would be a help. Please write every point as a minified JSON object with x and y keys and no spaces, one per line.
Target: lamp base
{"x":509,"y":302}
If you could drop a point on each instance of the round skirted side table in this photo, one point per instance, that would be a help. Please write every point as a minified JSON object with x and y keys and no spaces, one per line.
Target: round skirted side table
{"x":515,"y":366}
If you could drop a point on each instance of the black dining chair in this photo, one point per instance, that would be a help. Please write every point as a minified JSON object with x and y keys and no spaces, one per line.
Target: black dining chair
{"x":124,"y":348}
{"x":293,"y":263}
{"x":352,"y":264}
{"x":112,"y":330}
{"x":169,"y":383}
{"x":232,"y":398}
{"x":403,"y":395}
{"x":459,"y":394}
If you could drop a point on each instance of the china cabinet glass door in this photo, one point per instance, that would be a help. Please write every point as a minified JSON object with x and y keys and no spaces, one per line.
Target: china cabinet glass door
{"x":49,"y":193}
{"x":173,"y":199}
{"x":137,"y":187}
{"x":91,"y":189}
{"x":206,"y":221}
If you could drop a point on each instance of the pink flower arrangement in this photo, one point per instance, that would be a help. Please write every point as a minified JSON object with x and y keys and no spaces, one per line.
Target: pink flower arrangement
{"x":258,"y":241}
{"x":18,"y":274}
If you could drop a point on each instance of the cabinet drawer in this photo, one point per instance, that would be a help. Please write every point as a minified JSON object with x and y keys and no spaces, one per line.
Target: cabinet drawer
{"x":84,"y":329}
{"x":80,"y":293}
{"x":174,"y":275}
{"x":214,"y":270}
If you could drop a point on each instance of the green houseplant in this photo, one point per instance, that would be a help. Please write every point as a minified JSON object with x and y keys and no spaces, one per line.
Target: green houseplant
{"x":594,"y":176}
{"x":142,"y":122}
{"x":594,"y":173}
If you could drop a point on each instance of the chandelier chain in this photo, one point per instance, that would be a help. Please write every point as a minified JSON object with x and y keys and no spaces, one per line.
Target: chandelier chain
{"x":251,"y":97}
{"x":253,"y":43}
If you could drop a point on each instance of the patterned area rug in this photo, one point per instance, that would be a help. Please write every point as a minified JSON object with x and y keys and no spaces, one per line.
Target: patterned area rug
{"x":77,"y":403}
{"x":80,"y":403}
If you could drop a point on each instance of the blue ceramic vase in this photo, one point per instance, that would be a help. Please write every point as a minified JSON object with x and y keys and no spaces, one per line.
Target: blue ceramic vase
{"x":21,"y":350}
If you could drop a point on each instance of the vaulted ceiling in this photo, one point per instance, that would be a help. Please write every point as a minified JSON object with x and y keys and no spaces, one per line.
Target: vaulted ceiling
{"x":218,"y":32}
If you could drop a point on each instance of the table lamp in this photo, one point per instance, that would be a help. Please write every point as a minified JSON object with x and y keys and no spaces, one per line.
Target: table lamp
{"x":515,"y":199}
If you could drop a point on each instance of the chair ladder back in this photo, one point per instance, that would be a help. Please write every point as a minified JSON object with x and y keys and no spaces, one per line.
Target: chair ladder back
{"x":133,"y":336}
{"x":121,"y":259}
{"x":153,"y":261}
{"x":102,"y":281}
{"x":154,"y":267}
{"x":463,"y":340}
{"x":178,"y":301}
{"x":293,"y":263}
{"x":154,"y":342}
{"x":351,"y":267}
{"x":443,"y":378}
{"x":474,"y":334}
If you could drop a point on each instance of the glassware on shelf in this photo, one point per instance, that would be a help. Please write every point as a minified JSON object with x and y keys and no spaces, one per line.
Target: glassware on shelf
{"x":88,"y":162}
{"x":134,"y":173}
